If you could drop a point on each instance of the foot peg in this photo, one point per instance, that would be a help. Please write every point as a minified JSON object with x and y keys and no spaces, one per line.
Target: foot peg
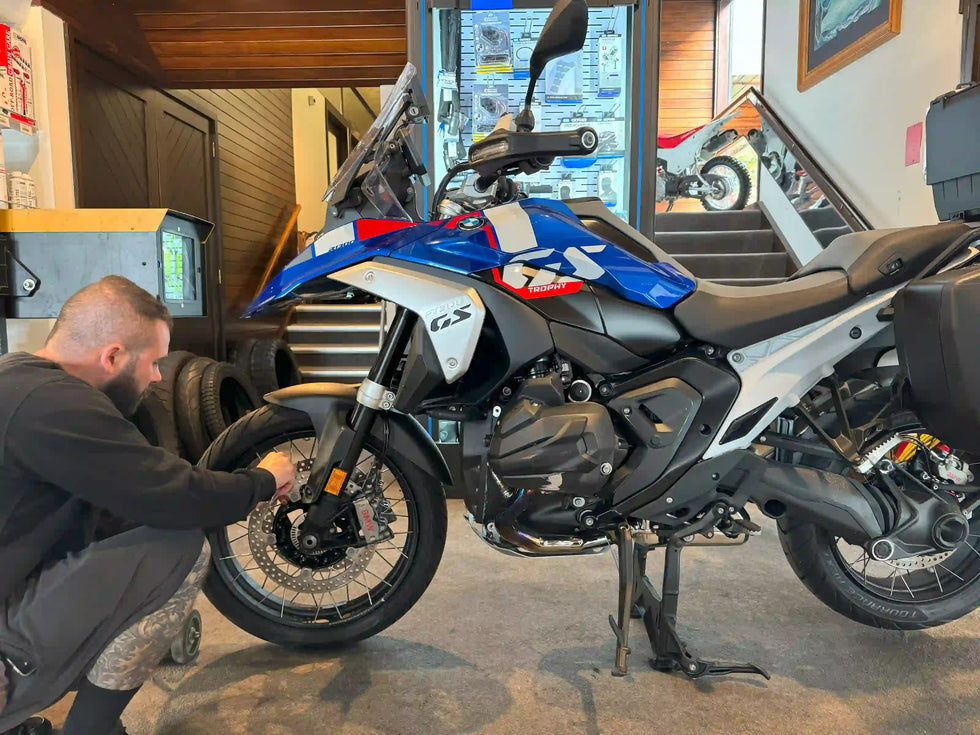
{"x":659,"y":612}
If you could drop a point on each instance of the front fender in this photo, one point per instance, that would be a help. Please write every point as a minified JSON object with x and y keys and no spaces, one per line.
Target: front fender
{"x":328,"y":405}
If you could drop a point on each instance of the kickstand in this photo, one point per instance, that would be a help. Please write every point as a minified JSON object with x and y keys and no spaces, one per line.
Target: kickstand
{"x":638,"y":596}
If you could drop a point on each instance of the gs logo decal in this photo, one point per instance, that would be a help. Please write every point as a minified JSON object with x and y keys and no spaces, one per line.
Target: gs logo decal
{"x":459,"y":314}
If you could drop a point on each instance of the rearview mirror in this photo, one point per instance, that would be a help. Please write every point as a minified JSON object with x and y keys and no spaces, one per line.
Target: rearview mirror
{"x":563,"y":33}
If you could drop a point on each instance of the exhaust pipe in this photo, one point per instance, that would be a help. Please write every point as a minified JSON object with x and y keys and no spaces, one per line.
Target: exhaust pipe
{"x":839,"y":504}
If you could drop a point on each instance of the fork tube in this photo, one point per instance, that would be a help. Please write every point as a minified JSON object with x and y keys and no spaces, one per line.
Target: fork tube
{"x":382,"y":373}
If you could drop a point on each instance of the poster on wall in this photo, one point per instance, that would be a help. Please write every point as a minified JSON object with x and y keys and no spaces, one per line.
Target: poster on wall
{"x":563,"y":80}
{"x":834,"y":33}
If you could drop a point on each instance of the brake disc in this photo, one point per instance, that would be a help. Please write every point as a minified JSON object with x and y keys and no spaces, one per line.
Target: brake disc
{"x":926,"y":561}
{"x":263,"y":544}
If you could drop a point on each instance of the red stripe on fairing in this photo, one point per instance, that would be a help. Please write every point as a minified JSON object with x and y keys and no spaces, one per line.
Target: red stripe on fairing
{"x":373,"y":227}
{"x":539,"y":292}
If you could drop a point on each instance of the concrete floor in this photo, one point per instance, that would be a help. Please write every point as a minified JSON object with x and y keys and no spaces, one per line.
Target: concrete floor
{"x":505,"y":645}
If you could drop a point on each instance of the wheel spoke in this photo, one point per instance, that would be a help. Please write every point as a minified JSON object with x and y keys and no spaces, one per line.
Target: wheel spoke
{"x":938,"y":581}
{"x":945,"y":568}
{"x":907,"y":585}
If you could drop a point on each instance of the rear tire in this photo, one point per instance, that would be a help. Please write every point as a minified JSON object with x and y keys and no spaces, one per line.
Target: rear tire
{"x":811,"y":553}
{"x":237,"y":448}
{"x":741,"y":178}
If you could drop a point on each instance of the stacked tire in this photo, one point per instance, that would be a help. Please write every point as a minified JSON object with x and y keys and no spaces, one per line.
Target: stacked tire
{"x":269,"y":364}
{"x":194,"y":402}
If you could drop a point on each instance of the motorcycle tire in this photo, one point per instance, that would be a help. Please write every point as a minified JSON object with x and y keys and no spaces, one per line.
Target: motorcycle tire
{"x":226,"y":396}
{"x":235,"y":595}
{"x":273,"y":366}
{"x":744,"y":183}
{"x":811,"y":552}
{"x":190,"y":422}
{"x":155,"y":415}
{"x":241,"y":354}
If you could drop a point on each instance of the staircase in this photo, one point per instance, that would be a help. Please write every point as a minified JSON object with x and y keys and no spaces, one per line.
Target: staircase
{"x":737,"y":248}
{"x":335,"y":342}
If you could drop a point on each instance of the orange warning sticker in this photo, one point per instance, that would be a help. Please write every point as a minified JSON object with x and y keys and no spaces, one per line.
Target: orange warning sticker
{"x":336,"y":481}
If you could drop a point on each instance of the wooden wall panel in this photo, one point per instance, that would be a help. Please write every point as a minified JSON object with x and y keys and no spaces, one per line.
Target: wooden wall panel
{"x":687,"y":63}
{"x":257,"y":188}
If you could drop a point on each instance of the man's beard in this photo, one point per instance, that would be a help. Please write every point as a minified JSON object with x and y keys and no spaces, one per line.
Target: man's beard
{"x":124,"y":391}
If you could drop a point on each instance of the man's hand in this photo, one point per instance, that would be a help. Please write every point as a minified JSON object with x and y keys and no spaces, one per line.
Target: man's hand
{"x":283,"y":470}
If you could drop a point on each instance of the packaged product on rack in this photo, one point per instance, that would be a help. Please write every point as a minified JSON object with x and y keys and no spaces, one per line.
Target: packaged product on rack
{"x":4,"y":193}
{"x":23,"y":194}
{"x":491,"y":30}
{"x":610,"y":187}
{"x":573,"y":185}
{"x":523,"y":46}
{"x":489,"y":104}
{"x":16,"y":75}
{"x":563,"y":80}
{"x":611,"y":129}
{"x":612,"y":52}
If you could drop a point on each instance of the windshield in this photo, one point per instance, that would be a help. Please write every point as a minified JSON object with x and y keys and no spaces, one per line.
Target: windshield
{"x":375,"y":187}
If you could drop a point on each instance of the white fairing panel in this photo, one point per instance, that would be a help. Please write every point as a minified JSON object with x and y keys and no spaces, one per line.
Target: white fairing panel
{"x":784,"y":368}
{"x":452,"y":314}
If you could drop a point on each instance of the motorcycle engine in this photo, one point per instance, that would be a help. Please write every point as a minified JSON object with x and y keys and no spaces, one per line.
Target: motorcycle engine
{"x":544,"y":443}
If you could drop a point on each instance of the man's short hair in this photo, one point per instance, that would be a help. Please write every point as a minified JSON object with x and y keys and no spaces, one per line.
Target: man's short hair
{"x":113,"y":309}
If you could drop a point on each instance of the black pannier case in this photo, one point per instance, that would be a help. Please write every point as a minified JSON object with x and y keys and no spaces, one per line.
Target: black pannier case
{"x":938,"y":339}
{"x":953,"y":153}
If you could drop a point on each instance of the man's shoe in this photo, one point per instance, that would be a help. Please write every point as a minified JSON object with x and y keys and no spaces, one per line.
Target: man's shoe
{"x":32,"y":726}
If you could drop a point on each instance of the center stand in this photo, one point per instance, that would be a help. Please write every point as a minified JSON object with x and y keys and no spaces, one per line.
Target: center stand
{"x":637,"y":596}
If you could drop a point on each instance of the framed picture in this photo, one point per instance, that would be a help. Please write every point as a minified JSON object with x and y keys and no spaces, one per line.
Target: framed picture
{"x":833,"y":33}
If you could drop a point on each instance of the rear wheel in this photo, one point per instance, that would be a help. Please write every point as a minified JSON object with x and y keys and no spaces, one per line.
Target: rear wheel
{"x":904,"y":594}
{"x":730,"y":183}
{"x":265,"y":583}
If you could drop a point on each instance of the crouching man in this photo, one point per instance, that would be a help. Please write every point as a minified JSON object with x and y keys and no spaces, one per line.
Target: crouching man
{"x":98,"y":617}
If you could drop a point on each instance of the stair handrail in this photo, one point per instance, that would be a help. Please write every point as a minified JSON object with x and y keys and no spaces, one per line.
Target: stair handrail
{"x":277,"y":252}
{"x":847,"y":209}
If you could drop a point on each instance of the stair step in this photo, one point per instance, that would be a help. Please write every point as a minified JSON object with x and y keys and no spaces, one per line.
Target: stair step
{"x":740,"y":265}
{"x":339,"y":308}
{"x":334,"y":373}
{"x":332,"y":327}
{"x":750,"y":219}
{"x":735,"y":241}
{"x":820,"y":218}
{"x":317,"y":349}
{"x":747,"y":282}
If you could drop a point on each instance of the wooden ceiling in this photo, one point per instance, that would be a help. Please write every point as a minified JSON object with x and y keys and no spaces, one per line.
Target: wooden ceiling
{"x":246,"y":43}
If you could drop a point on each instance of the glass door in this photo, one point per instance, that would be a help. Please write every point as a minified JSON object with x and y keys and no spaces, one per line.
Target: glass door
{"x":479,"y":72}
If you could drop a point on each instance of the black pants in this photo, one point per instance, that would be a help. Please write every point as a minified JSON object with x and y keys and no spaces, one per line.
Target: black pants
{"x":63,"y":618}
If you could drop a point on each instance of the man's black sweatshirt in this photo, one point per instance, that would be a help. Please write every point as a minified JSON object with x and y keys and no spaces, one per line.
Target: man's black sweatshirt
{"x":65,"y":448}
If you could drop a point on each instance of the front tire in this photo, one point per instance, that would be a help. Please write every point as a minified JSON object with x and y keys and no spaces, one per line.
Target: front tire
{"x":345,"y":615}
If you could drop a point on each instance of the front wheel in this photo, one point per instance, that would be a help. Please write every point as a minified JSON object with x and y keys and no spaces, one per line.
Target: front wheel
{"x":265,"y":582}
{"x":730,"y":184}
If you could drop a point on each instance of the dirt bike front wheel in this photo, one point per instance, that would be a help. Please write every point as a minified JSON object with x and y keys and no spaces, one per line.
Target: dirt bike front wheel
{"x":265,"y":582}
{"x":731,"y":184}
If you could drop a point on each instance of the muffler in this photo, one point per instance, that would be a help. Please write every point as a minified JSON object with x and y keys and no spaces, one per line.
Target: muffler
{"x":839,"y":504}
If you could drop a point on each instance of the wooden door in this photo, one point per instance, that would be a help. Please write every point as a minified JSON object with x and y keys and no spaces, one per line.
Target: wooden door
{"x":138,"y":147}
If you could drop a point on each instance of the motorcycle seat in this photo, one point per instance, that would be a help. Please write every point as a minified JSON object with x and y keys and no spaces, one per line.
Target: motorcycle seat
{"x":851,"y":267}
{"x":877,"y":259}
{"x":738,"y":316}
